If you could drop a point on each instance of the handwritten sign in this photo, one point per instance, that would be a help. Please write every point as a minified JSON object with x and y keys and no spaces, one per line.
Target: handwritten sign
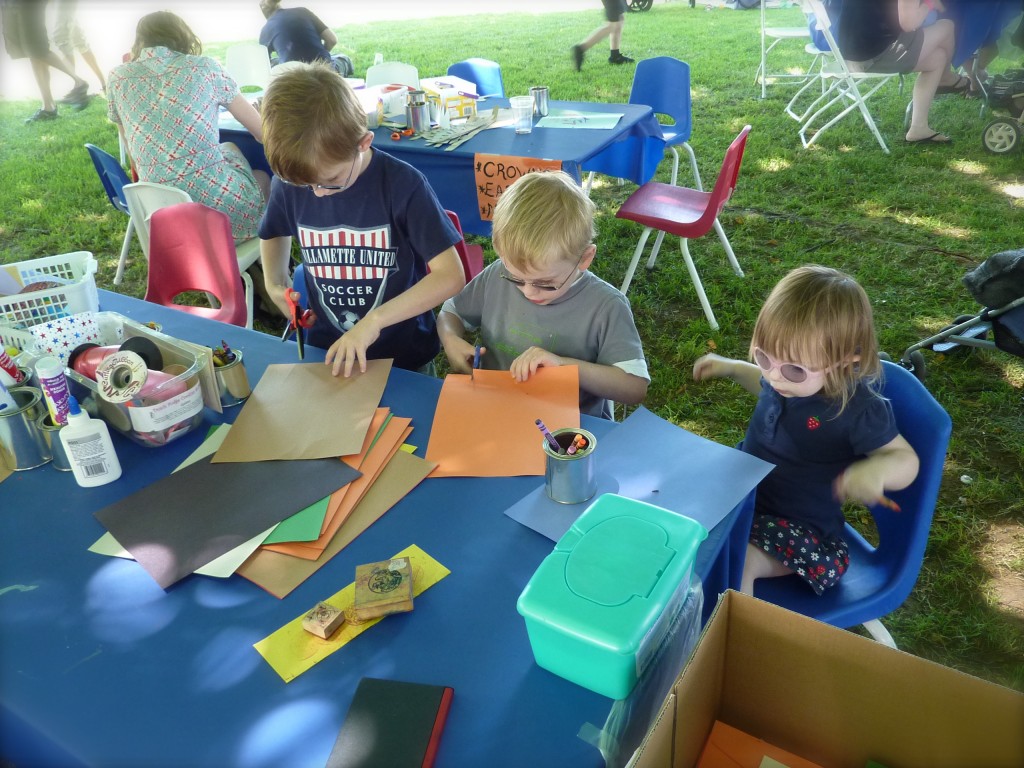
{"x":495,"y":173}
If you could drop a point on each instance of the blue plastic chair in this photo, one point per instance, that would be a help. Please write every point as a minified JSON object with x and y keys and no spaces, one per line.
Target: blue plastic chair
{"x":880,"y":579}
{"x":484,"y":73}
{"x":113,"y":178}
{"x":663,"y":83}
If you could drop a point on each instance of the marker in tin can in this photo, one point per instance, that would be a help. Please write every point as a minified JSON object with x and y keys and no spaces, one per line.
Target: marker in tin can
{"x":9,"y":367}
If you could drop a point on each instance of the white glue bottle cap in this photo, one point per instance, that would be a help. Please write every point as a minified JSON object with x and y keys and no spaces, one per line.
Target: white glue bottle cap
{"x":88,"y":447}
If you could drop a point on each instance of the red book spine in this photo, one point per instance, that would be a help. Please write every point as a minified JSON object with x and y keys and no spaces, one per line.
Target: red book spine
{"x":435,"y":734}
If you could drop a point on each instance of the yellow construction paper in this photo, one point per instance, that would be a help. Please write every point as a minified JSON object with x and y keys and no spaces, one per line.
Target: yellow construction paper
{"x":291,"y":650}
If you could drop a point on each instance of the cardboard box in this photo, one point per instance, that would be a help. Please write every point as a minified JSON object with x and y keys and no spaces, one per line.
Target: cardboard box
{"x":453,"y":94}
{"x":599,"y":606}
{"x":381,"y":102}
{"x":830,"y":696}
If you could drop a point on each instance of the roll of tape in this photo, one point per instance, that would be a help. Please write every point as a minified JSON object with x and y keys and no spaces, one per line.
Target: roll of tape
{"x":121,"y":376}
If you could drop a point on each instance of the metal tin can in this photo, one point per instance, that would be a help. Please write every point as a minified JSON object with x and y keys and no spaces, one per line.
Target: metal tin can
{"x":540,"y":99}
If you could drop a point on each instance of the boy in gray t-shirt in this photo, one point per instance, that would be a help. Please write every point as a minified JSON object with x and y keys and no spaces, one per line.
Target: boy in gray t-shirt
{"x":539,"y":306}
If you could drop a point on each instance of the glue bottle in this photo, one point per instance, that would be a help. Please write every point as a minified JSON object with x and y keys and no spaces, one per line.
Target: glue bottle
{"x":88,"y":447}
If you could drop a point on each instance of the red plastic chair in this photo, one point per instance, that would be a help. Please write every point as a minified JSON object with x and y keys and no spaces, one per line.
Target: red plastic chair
{"x":191,"y":249}
{"x":471,"y":255}
{"x":686,"y":213}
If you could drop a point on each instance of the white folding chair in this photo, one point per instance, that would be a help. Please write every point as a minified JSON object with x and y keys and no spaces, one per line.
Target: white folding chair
{"x":843,"y":94}
{"x":249,"y":65}
{"x":771,"y":37}
{"x":393,"y":72}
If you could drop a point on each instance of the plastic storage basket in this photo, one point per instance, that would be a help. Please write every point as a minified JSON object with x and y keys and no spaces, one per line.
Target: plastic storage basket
{"x":75,"y":292}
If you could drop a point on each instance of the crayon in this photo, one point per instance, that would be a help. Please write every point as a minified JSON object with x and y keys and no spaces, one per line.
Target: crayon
{"x":549,"y":437}
{"x":885,"y":501}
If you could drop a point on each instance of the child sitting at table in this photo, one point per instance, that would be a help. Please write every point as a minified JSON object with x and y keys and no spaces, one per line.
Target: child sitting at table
{"x":379,"y":249}
{"x":537,"y":305}
{"x":820,"y":418}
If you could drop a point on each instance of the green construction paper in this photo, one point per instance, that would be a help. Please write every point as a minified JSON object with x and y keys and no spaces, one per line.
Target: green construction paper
{"x":304,"y":525}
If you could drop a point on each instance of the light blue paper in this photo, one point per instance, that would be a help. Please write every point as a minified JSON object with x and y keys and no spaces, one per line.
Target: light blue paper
{"x":571,"y":118}
{"x":650,"y":459}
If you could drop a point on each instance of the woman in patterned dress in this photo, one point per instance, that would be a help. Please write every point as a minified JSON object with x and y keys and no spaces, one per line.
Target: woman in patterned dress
{"x":165,"y":102}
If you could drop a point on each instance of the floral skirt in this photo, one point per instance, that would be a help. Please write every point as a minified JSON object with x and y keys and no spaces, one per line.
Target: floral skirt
{"x":818,"y":560}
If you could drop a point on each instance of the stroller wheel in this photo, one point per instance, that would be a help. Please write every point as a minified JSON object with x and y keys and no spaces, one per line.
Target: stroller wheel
{"x":916,"y":365}
{"x":1001,"y":136}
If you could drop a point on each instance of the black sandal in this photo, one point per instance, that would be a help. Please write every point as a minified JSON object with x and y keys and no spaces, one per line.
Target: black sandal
{"x":962,"y":86}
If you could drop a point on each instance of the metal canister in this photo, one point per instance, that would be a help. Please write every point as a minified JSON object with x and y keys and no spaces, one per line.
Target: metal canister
{"x":415,"y":97}
{"x":540,"y":99}
{"x":417,"y":117}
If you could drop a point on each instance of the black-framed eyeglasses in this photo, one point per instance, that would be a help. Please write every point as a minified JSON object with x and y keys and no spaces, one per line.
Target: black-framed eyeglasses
{"x":328,"y":187}
{"x":539,"y":286}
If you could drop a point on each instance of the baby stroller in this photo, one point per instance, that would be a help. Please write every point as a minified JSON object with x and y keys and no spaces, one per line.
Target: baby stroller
{"x":1004,"y":92}
{"x":998,"y":285}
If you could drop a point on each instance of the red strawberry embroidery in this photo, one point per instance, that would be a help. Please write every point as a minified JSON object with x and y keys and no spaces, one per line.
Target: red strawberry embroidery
{"x":813,"y":423}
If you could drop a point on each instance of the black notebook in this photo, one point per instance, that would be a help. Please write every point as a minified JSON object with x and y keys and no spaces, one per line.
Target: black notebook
{"x":392,"y":724}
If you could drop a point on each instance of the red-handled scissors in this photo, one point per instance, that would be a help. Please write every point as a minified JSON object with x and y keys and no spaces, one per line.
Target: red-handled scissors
{"x":297,"y":322}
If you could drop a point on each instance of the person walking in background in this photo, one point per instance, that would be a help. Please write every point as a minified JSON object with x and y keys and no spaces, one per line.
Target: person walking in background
{"x":25,"y":37}
{"x":69,"y":37}
{"x":297,"y":34}
{"x":165,"y":102}
{"x":615,"y":14}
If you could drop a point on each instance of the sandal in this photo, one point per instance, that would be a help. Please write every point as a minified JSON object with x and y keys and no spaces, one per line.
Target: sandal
{"x":962,"y":85}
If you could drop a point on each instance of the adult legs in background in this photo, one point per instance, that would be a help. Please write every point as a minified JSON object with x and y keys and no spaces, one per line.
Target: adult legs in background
{"x":615,"y":15}
{"x":69,"y":37}
{"x":934,"y":69}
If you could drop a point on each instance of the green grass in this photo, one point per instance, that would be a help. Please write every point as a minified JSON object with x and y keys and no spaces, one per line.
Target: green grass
{"x":908,"y":225}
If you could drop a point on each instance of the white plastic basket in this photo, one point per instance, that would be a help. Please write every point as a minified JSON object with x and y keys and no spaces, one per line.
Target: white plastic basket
{"x":76,"y":292}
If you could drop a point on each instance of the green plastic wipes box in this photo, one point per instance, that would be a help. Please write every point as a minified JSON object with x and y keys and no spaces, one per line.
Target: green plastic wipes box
{"x":600,"y":604}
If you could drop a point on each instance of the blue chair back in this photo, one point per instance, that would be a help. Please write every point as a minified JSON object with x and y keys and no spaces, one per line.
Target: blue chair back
{"x":485,"y":73}
{"x":880,"y":578}
{"x":112,"y":176}
{"x":663,"y":84}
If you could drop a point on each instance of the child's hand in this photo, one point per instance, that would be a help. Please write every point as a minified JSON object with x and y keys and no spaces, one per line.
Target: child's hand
{"x":460,"y":355}
{"x":524,"y":366}
{"x":351,"y":348}
{"x":858,"y":482}
{"x":712,"y":366}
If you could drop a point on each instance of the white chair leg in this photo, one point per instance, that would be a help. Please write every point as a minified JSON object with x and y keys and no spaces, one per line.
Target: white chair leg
{"x":879,"y":633}
{"x":697,"y":284}
{"x":248,"y":299}
{"x":636,"y":258}
{"x":655,"y":250}
{"x":125,"y":246}
{"x":588,"y":183}
{"x":693,"y":167}
{"x":728,"y":249}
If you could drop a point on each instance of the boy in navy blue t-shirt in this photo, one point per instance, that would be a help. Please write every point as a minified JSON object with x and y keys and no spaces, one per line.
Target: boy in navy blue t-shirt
{"x":378,"y":248}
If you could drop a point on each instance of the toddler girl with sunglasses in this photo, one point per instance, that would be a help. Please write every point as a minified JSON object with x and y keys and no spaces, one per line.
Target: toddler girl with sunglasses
{"x":820,"y":419}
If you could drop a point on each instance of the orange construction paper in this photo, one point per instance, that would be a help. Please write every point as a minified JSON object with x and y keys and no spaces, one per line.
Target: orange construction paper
{"x":276,"y":421}
{"x":729,"y":747}
{"x":383,"y":450}
{"x":380,"y":418}
{"x":279,"y":574}
{"x":485,"y":426}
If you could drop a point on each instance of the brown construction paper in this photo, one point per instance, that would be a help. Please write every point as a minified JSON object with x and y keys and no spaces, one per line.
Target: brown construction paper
{"x":484,"y":426}
{"x":302,"y":411}
{"x":280,"y":574}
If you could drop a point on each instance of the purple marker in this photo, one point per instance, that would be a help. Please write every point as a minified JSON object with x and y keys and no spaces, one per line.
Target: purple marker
{"x":549,"y":437}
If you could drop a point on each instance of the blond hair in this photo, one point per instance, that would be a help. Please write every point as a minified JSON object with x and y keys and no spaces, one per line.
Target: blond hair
{"x":543,"y":217}
{"x":166,"y":29}
{"x":311,"y":118}
{"x":821,"y":318}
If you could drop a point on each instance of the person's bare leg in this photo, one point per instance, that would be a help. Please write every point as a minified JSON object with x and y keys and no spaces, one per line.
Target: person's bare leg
{"x":615,"y":34}
{"x":90,"y":58}
{"x":760,"y":565}
{"x":600,"y":34}
{"x":934,"y":69}
{"x":41,"y":70}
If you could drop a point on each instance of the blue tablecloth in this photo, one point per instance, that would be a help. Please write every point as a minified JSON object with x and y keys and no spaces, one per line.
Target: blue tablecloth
{"x":100,"y":666}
